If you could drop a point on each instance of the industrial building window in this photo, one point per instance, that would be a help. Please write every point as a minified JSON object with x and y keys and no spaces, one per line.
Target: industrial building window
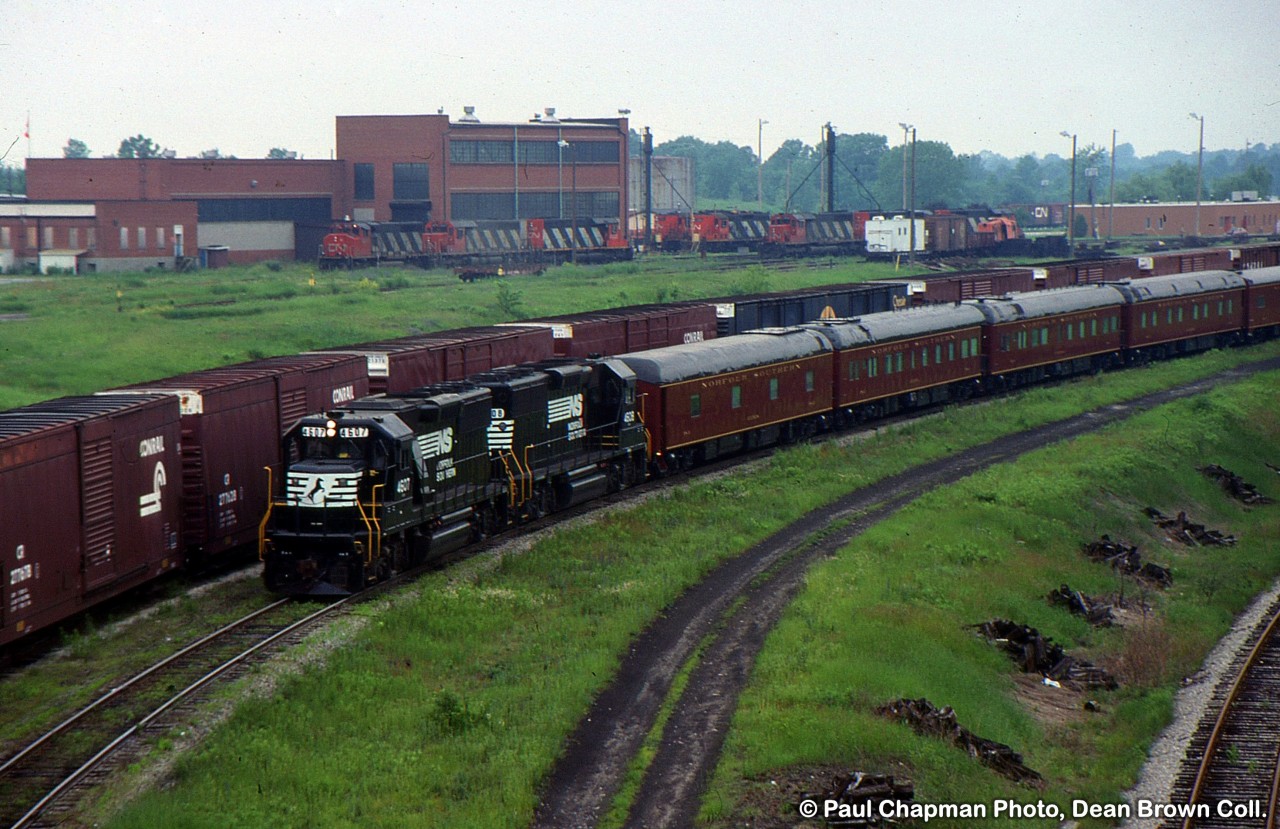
{"x":264,"y":210}
{"x":481,"y":152}
{"x":48,"y":237}
{"x":160,"y":238}
{"x":596,"y":152}
{"x":735,"y":397}
{"x":482,"y":205}
{"x":142,"y":238}
{"x":124,"y":238}
{"x":695,"y":405}
{"x":91,"y":237}
{"x":410,"y":181}
{"x":364,"y":182}
{"x":6,"y":238}
{"x":73,"y":239}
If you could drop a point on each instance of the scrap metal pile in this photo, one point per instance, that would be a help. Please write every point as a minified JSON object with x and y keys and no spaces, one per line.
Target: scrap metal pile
{"x":1127,"y":559}
{"x":1236,"y":487}
{"x":863,"y":793}
{"x":1036,"y":654}
{"x":925,"y":718}
{"x":1093,"y":609}
{"x":1185,"y":531}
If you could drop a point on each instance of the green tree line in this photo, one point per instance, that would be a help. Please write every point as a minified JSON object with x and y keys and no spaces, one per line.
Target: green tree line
{"x":869,"y":175}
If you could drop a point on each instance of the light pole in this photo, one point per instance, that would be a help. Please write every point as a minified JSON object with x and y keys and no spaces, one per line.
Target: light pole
{"x":1199,"y":170}
{"x":573,"y":239}
{"x":1071,"y":217}
{"x":905,"y":129}
{"x":911,"y":254}
{"x":760,"y":122}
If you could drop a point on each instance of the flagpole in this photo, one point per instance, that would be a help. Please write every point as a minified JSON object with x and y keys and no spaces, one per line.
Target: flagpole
{"x":28,"y":134}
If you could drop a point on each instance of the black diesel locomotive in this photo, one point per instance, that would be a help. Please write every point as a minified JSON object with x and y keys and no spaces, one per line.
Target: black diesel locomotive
{"x":391,"y":481}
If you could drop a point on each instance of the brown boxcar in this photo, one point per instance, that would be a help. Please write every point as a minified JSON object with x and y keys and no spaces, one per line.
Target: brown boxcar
{"x":886,"y":361}
{"x":1027,"y":336}
{"x":230,"y":432}
{"x":1258,"y":256}
{"x":954,"y":287}
{"x":413,"y":362}
{"x":310,"y":383}
{"x":616,"y":331}
{"x":91,"y":488}
{"x":1182,"y":312}
{"x":704,"y":399}
{"x":1262,"y":301}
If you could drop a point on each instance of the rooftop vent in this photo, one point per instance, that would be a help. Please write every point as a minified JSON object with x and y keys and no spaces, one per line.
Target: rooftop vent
{"x":469,"y":116}
{"x":549,"y":116}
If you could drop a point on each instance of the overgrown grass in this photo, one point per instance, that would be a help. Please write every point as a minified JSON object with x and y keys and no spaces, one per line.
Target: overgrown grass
{"x":87,"y":333}
{"x":450,"y":707}
{"x":890,"y":616}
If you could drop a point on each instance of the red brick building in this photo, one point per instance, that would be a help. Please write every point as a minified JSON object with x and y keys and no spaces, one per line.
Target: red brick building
{"x":131,"y":214}
{"x":465,"y":170}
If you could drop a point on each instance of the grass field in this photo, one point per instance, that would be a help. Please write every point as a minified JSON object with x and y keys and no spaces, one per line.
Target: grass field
{"x":81,"y":334}
{"x":449,"y":706}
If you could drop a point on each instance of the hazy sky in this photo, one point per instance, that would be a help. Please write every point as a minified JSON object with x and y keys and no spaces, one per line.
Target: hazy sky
{"x":244,"y":77}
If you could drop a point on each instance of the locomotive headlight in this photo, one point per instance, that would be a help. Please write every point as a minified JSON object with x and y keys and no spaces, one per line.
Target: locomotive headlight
{"x":331,"y":429}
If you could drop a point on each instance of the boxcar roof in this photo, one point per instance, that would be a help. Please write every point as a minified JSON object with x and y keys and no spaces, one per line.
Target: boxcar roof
{"x":1179,"y":284}
{"x":754,"y":348}
{"x":1035,"y":304}
{"x":896,"y":325}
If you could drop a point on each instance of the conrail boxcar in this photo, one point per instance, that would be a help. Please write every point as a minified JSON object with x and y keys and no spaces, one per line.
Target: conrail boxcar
{"x":1182,"y":313}
{"x":1064,"y":331}
{"x":707,"y":399}
{"x":91,"y":489}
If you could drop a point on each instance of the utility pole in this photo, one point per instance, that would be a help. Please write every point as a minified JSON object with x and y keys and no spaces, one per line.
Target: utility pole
{"x":831,"y":168}
{"x":760,"y":162}
{"x":1199,"y":170}
{"x":911,"y":254}
{"x":648,"y":190}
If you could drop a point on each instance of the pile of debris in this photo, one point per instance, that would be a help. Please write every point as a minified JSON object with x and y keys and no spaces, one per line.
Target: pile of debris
{"x":1127,"y":559}
{"x":1185,"y":531}
{"x":1037,"y":655}
{"x":863,"y":794}
{"x":1236,"y":487}
{"x":1094,"y":610}
{"x":925,"y":719}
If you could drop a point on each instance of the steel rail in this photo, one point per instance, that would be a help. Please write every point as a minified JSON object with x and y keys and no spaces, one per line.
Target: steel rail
{"x":111,"y":747}
{"x":1211,"y":748}
{"x":124,"y":686}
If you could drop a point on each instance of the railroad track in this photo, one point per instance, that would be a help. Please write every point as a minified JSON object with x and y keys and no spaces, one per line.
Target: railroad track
{"x":39,"y":784}
{"x":1231,"y":775}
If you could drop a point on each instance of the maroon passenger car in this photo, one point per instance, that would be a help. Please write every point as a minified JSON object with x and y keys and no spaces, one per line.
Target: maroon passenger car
{"x":1064,"y":331}
{"x":1181,"y":313}
{"x":1262,"y":302}
{"x":896,"y":359}
{"x":705,"y":399}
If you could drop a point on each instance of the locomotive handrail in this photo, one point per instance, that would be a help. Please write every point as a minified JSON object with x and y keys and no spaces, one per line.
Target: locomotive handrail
{"x":372,"y":525}
{"x":262,"y":525}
